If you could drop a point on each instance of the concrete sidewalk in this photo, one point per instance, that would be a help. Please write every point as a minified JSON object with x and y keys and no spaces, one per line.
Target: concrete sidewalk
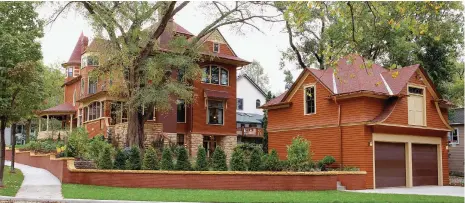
{"x":419,"y":190}
{"x":38,"y":183}
{"x":34,"y":200}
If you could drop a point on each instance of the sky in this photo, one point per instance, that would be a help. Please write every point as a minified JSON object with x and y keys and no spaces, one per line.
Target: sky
{"x":264,"y":47}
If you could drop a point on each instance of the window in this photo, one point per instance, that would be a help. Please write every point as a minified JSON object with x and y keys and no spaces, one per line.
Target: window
{"x":70,"y":71}
{"x":181,"y":113}
{"x":181,"y":74}
{"x":94,"y":110}
{"x":83,"y":62}
{"x":180,"y":139}
{"x":454,"y":136}
{"x":215,"y":75}
{"x":215,"y":112}
{"x":92,"y":85}
{"x":416,"y":106}
{"x":89,"y":61}
{"x":257,"y":103}
{"x":82,"y":86}
{"x":117,"y":113}
{"x":310,"y":103}
{"x":240,"y":104}
{"x":216,"y":48}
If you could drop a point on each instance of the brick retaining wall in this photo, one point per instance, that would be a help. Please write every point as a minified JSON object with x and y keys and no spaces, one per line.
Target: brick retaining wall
{"x":64,"y":170}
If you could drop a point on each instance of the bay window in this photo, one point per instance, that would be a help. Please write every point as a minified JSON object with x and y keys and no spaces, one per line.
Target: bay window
{"x":213,"y":74}
{"x":215,"y":112}
{"x":94,"y":110}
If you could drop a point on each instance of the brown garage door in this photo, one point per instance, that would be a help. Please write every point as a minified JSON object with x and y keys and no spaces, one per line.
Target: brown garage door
{"x":424,"y":164}
{"x":389,"y":164}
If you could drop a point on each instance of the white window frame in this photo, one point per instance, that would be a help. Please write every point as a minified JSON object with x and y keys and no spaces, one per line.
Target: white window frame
{"x":208,"y":111}
{"x":237,"y":104}
{"x":219,"y":74}
{"x":259,"y":103}
{"x":305,"y":98}
{"x":424,"y":101}
{"x":72,"y":72}
{"x":458,"y":136}
{"x":217,"y":51}
{"x":185,"y":111}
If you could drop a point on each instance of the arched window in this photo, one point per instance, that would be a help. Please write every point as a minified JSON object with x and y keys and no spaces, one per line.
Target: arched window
{"x":257,"y":103}
{"x":213,"y":74}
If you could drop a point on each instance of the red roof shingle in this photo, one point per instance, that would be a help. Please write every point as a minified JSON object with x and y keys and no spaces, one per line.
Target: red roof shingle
{"x":79,"y":48}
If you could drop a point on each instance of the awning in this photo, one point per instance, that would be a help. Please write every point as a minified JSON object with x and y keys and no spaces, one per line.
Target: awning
{"x":216,"y":94}
{"x":61,"y":109}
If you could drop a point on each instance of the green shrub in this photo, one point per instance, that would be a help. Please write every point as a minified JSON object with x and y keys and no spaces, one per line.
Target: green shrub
{"x":120,"y":160}
{"x":150,"y":159}
{"x":95,"y":147}
{"x":248,"y":148}
{"x":167,"y":159}
{"x":237,"y":162}
{"x":201,"y":163}
{"x":271,"y":161}
{"x":134,"y":160}
{"x":182,"y":160}
{"x":219,"y":160}
{"x":104,"y":160}
{"x":350,"y":168}
{"x":298,"y":154}
{"x":77,"y":143}
{"x":328,"y":160}
{"x":255,"y":160}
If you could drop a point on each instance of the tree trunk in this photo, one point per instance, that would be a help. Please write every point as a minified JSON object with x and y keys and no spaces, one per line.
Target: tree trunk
{"x":3,"y":121}
{"x":28,"y":130}
{"x":135,"y":128}
{"x":13,"y":147}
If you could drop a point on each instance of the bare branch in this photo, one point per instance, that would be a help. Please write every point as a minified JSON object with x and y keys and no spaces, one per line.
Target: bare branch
{"x":294,"y":48}
{"x":57,"y":14}
{"x":353,"y":21}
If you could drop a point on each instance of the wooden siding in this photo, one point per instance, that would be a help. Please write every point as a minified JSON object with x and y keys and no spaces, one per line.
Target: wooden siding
{"x":456,"y":153}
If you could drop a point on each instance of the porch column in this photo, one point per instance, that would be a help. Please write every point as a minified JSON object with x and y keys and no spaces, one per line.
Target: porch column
{"x":408,"y":168}
{"x":47,"y":122}
{"x":40,"y":123}
{"x":71,"y":123}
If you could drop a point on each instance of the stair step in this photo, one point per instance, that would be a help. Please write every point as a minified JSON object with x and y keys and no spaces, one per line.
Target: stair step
{"x":341,"y":188}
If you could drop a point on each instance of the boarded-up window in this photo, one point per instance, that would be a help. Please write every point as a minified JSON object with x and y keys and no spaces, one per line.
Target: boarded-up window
{"x":416,"y":106}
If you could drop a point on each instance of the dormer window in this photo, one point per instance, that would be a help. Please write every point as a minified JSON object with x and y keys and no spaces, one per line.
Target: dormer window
{"x":216,"y":48}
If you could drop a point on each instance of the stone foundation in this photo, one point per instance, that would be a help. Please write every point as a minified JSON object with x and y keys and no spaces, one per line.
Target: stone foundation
{"x":153,"y":131}
{"x":227,"y":143}
{"x":195,"y":141}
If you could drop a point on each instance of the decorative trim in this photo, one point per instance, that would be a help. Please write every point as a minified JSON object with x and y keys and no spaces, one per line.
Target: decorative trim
{"x":440,"y":116}
{"x":386,"y":84}
{"x":316,"y":126}
{"x":409,"y":126}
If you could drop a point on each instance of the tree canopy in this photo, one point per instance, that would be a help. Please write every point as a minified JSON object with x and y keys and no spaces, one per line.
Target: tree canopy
{"x":256,"y":72}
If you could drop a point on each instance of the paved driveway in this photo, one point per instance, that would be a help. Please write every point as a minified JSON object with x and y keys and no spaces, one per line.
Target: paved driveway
{"x":419,"y":190}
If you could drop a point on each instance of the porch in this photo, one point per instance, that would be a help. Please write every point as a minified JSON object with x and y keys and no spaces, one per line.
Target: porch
{"x":59,"y":122}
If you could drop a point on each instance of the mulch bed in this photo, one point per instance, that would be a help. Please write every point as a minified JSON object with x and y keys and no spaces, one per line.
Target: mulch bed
{"x":84,"y":165}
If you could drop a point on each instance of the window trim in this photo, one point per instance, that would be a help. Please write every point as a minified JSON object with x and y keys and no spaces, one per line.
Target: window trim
{"x":88,"y":85}
{"x":458,"y":136}
{"x":208,"y":112}
{"x":185,"y":112}
{"x":68,"y":71}
{"x":213,"y":48}
{"x":237,"y":104}
{"x":424,"y":101}
{"x":259,"y":103}
{"x":219,"y":75}
{"x":305,"y":98}
{"x":101,"y":111}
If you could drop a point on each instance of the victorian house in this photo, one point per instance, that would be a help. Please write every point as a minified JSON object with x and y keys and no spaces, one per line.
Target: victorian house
{"x":209,"y":121}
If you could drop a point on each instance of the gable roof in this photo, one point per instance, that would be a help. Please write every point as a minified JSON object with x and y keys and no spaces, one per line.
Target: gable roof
{"x":456,"y":116}
{"x":253,"y":83}
{"x":353,"y":76}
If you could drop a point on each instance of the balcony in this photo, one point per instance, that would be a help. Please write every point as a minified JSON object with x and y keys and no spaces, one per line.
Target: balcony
{"x":250,"y":132}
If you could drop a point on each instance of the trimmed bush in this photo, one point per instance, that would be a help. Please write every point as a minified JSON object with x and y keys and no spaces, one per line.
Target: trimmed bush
{"x":182,"y":160}
{"x":255,"y":161}
{"x":167,"y":159}
{"x":219,"y":160}
{"x":134,"y":160}
{"x":272,"y":162}
{"x":95,"y":147}
{"x":150,"y":161}
{"x":328,"y":160}
{"x":104,"y":160}
{"x":120,"y":160}
{"x":298,"y":154}
{"x":201,"y":163}
{"x":77,"y":143}
{"x":237,"y":162}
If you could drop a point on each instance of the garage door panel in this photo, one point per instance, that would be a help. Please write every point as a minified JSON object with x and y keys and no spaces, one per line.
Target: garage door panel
{"x":424,"y":164}
{"x":389,"y":164}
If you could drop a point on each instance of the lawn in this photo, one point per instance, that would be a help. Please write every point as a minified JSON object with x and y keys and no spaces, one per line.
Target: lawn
{"x":152,"y":194}
{"x":12,"y":182}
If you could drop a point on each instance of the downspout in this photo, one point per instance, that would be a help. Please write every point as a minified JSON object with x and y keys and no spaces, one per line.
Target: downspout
{"x":340,"y":131}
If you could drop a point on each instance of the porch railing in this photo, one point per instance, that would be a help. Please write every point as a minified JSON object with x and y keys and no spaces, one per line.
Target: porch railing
{"x":250,"y":131}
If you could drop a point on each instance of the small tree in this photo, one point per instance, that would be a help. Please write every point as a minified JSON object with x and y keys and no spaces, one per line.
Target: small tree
{"x":104,"y":161}
{"x":255,"y":161}
{"x":167,"y":159}
{"x":272,"y":162}
{"x":219,"y":160}
{"x":182,"y":161}
{"x":201,"y":163}
{"x":150,"y":161}
{"x":237,"y":162}
{"x":120,"y":160}
{"x":134,"y":161}
{"x":298,"y":153}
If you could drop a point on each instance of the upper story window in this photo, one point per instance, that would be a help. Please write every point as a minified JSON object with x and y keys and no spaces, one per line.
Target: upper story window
{"x":181,"y":72}
{"x":240,"y":104}
{"x":70,"y":71}
{"x":310,"y":102}
{"x":416,"y":106}
{"x":215,"y":113}
{"x":82,"y":85}
{"x":257,"y":103}
{"x":216,"y":48}
{"x":89,"y":60}
{"x":213,"y":74}
{"x":181,"y":111}
{"x":92,"y":85}
{"x":454,"y":136}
